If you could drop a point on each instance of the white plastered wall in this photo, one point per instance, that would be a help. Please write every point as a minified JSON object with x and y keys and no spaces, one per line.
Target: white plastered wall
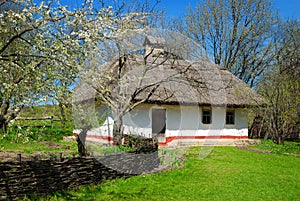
{"x":186,"y":121}
{"x":181,"y":121}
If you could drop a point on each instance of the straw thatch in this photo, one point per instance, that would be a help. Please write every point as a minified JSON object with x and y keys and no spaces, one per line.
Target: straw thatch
{"x":178,"y":82}
{"x":164,"y":78}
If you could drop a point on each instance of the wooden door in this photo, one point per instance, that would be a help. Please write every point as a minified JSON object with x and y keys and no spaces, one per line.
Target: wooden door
{"x":158,"y":121}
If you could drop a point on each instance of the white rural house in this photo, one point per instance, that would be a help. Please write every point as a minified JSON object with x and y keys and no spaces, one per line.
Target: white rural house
{"x":197,"y":102}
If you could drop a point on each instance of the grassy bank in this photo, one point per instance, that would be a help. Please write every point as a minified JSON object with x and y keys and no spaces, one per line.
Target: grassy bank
{"x":226,"y":174}
{"x":286,"y":148}
{"x":30,"y":136}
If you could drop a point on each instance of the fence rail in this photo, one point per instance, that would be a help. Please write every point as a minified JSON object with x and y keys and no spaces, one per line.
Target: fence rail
{"x":50,"y":118}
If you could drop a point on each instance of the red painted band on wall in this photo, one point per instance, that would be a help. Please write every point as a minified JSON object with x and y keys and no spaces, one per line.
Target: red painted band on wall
{"x":171,"y":138}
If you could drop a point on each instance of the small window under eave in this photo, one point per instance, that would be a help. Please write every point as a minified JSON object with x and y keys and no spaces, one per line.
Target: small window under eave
{"x":230,"y":117}
{"x":206,"y":116}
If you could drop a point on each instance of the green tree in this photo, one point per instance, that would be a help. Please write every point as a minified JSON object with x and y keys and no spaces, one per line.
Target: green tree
{"x":281,"y":85}
{"x":42,"y":45}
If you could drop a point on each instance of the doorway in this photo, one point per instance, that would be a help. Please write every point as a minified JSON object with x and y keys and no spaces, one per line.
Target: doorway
{"x":158,"y":121}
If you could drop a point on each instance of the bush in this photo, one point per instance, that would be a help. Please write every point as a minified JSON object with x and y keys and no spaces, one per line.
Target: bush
{"x":140,"y":144}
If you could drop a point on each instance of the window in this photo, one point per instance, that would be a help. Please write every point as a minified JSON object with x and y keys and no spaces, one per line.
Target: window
{"x":206,"y":116}
{"x":229,"y":117}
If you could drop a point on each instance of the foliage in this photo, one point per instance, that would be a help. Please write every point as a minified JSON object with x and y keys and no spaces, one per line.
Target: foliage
{"x":286,"y":148}
{"x":124,"y":148}
{"x":170,"y":156}
{"x":27,"y":57}
{"x":223,"y":175}
{"x":281,"y":86}
{"x":43,"y":47}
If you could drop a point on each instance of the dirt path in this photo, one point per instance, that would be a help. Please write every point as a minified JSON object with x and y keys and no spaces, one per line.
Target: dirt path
{"x":253,"y":150}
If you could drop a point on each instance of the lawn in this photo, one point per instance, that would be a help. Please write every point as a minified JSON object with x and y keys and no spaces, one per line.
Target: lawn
{"x":286,"y":148}
{"x":227,"y":173}
{"x":29,"y":137}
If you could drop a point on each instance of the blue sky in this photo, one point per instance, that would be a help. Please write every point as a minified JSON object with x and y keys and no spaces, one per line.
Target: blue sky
{"x":286,"y":8}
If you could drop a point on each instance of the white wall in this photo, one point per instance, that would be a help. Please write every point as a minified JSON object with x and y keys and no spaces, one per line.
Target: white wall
{"x":182,"y":121}
{"x":186,"y":121}
{"x":138,"y":121}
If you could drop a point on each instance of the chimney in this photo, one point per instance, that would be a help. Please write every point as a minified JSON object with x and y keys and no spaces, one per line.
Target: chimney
{"x":155,"y":45}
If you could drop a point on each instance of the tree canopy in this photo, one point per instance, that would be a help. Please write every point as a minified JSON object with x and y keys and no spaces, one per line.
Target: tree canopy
{"x":44,"y":46}
{"x":236,"y":34}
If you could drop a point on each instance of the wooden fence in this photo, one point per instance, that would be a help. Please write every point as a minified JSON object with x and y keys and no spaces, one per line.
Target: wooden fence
{"x":39,"y":177}
{"x":50,"y":118}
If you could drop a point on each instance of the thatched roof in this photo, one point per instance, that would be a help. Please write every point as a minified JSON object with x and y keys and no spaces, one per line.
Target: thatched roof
{"x":180,"y":82}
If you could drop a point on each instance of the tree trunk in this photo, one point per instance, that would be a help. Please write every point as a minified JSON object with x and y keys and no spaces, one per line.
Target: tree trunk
{"x":62,"y":115}
{"x":281,"y":139}
{"x":81,"y":142}
{"x":3,"y":125}
{"x":117,"y":131}
{"x":3,"y":120}
{"x":266,"y":136}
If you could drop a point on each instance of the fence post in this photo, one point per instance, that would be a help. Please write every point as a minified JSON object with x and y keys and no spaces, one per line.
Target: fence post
{"x":51,"y":121}
{"x":20,"y":158}
{"x":61,"y":156}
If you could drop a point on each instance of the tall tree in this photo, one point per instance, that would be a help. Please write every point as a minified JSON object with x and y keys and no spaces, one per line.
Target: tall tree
{"x":281,"y":85}
{"x":41,"y":44}
{"x":235,"y":33}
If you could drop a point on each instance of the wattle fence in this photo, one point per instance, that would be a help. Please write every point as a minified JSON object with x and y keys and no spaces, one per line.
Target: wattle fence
{"x":40,"y":177}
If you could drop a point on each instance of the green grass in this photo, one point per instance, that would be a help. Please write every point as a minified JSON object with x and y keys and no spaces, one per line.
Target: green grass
{"x":36,"y":146}
{"x":43,"y":123}
{"x":226,"y":174}
{"x":45,"y":110}
{"x":28,"y":131}
{"x":286,"y":148}
{"x":40,"y":130}
{"x":101,"y":150}
{"x":29,"y":138}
